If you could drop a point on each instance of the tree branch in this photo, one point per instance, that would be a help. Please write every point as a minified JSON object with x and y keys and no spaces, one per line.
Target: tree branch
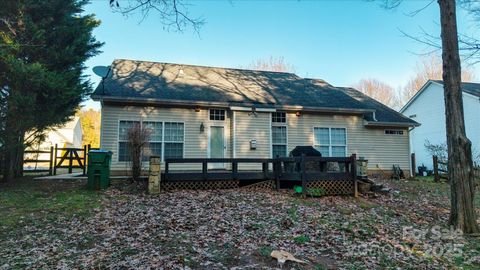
{"x":173,"y":14}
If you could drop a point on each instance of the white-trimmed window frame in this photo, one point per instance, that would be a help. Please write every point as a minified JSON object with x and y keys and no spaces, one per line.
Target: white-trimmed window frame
{"x":394,"y":132}
{"x":213,"y":110}
{"x":119,"y":140}
{"x":278,"y":124}
{"x":165,"y":142}
{"x":154,"y":141}
{"x":163,"y":136}
{"x":330,"y":145}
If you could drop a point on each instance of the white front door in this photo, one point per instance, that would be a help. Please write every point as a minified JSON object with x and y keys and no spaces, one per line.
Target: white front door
{"x":217,"y":146}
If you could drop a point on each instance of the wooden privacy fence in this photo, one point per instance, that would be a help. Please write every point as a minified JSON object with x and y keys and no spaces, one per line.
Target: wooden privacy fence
{"x":57,"y":157}
{"x":310,"y":172}
{"x":440,"y":170}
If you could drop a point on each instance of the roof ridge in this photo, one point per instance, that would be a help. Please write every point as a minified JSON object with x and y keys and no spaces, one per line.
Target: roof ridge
{"x":203,"y":66}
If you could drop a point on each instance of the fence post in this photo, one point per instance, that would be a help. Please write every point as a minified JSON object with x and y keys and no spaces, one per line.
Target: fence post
{"x":55,"y":160}
{"x":435,"y":169}
{"x":70,"y":161}
{"x":85,"y":159}
{"x":354,"y":175}
{"x":414,"y":165}
{"x":154,"y":175}
{"x":50,"y":164}
{"x":302,"y":176}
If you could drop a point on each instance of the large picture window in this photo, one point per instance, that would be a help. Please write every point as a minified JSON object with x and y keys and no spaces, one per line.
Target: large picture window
{"x":331,"y":142}
{"x":166,"y":139}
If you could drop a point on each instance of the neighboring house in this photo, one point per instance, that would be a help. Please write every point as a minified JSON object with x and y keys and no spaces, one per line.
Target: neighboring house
{"x":427,"y":107}
{"x":68,"y":135}
{"x":199,"y":112}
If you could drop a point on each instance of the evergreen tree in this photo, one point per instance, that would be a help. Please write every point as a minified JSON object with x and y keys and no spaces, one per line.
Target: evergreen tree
{"x":43,"y":47}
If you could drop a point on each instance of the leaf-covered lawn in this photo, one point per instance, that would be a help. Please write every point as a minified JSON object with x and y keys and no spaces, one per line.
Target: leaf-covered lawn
{"x":62,"y":225}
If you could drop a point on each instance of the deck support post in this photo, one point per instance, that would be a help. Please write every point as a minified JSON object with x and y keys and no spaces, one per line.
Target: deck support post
{"x":154,"y":175}
{"x":302,"y":176}
{"x":354,"y":175}
{"x":277,"y":167}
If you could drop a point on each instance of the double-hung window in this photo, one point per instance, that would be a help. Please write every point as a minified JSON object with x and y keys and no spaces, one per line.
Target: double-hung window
{"x":166,"y":139}
{"x":331,"y":142}
{"x":279,"y":134}
{"x":154,"y":146}
{"x":174,"y":133}
{"x":123,"y":129}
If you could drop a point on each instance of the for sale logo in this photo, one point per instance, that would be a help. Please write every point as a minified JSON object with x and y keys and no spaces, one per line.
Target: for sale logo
{"x":434,"y":241}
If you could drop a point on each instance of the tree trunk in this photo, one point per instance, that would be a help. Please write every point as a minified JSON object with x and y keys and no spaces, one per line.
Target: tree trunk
{"x":14,"y":150}
{"x":460,"y":165}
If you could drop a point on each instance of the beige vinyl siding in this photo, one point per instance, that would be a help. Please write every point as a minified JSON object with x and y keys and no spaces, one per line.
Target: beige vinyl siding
{"x":195,"y":142}
{"x":381,"y":150}
{"x":250,"y":126}
{"x":371,"y":143}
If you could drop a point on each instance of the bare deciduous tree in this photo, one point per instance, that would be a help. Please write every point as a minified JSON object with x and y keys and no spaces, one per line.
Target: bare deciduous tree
{"x":173,"y":14}
{"x":380,"y":91}
{"x":460,"y":164}
{"x":429,"y":68}
{"x":277,"y":64}
{"x":138,"y":137}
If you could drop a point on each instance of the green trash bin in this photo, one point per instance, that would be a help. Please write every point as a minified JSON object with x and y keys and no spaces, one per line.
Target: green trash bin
{"x":98,"y":169}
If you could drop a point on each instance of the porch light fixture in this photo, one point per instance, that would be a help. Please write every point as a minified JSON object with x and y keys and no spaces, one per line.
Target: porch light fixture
{"x":202,"y":127}
{"x":298,"y":114}
{"x":197,"y":109}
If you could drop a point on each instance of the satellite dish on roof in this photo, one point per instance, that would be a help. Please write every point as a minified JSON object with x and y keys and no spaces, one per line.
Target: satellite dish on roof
{"x":101,"y":71}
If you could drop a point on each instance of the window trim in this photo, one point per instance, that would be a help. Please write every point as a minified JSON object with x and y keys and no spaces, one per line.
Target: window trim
{"x":330,"y":145}
{"x":278,"y":124}
{"x":271,"y":118}
{"x":396,"y":132}
{"x":163,"y":139}
{"x":118,"y":137}
{"x":162,"y":157}
{"x":163,"y":131}
{"x":213,"y":109}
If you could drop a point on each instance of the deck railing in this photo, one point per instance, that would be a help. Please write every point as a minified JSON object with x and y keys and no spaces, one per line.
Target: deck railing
{"x":303,"y":169}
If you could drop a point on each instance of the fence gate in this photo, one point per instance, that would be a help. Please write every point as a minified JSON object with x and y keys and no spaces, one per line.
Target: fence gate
{"x":70,"y":158}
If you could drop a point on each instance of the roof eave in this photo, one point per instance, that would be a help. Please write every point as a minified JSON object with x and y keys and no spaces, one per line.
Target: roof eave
{"x":390,"y":124}
{"x":419,"y":92}
{"x":170,"y":102}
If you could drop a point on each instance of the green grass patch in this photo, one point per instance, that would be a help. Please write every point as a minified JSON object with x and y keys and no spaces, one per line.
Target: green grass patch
{"x":33,"y":203}
{"x":293,"y":213}
{"x":265,"y":251}
{"x":302,"y":239}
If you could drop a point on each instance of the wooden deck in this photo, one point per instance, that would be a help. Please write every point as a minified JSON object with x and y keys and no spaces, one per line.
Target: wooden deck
{"x":304,"y":170}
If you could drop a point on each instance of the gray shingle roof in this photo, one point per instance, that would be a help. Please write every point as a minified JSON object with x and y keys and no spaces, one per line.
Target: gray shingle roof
{"x":468,"y":87}
{"x":186,"y":83}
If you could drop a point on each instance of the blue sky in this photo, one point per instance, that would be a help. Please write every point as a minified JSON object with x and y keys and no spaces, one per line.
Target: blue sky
{"x":338,"y":41}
